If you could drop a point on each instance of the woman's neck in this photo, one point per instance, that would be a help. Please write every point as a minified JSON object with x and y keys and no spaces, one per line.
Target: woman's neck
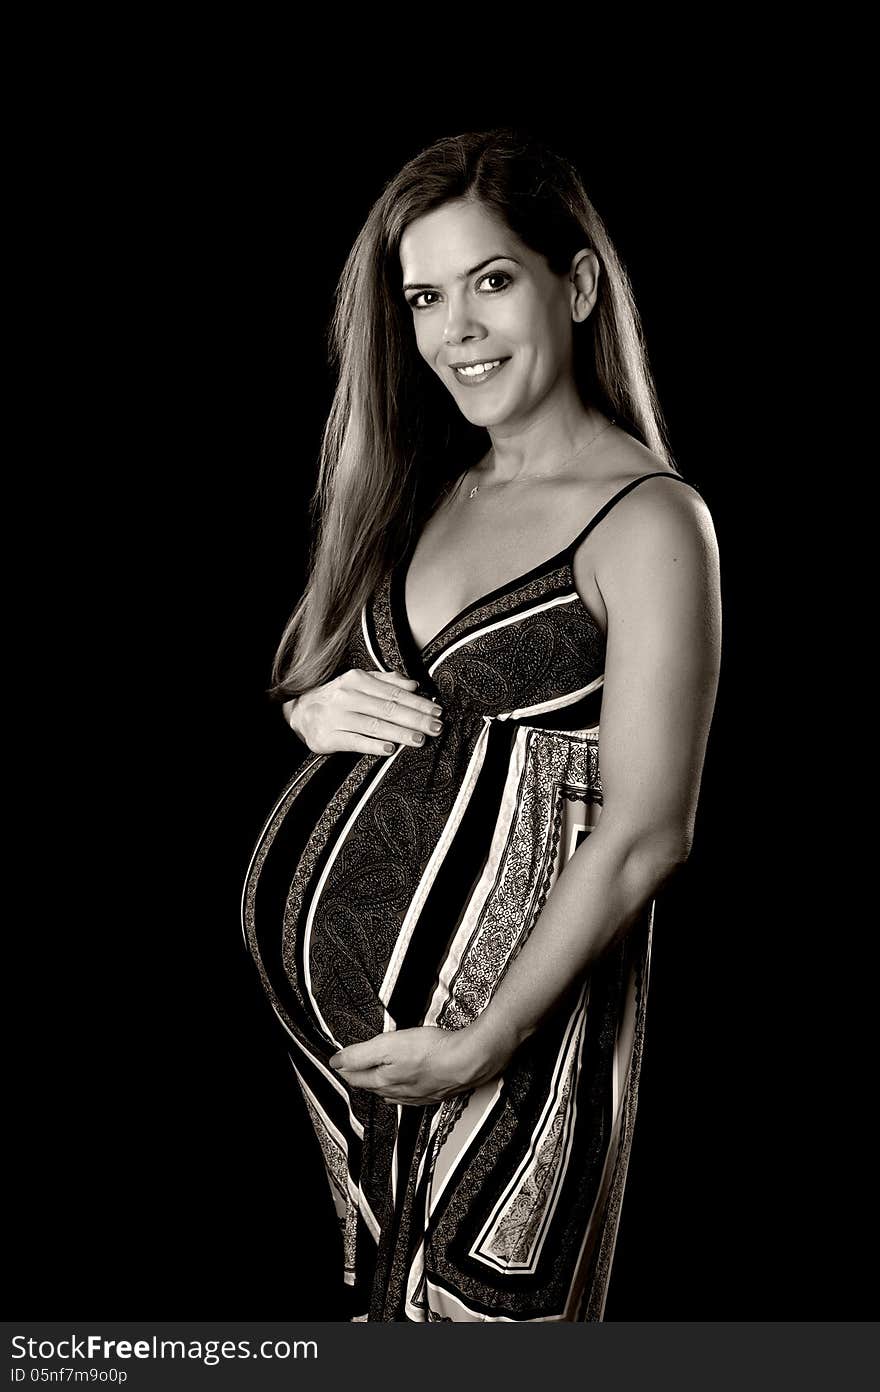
{"x":542,"y":449}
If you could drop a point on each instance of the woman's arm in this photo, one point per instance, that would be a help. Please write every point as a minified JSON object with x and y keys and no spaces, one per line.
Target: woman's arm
{"x":663,"y":597}
{"x":661,"y":587}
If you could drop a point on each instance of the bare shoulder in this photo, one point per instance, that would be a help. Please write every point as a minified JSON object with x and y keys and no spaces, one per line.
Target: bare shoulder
{"x":658,"y":566}
{"x":657,"y":511}
{"x":655,"y":546}
{"x":661,"y":510}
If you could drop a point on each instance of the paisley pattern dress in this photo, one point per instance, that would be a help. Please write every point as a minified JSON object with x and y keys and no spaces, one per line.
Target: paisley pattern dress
{"x":391,"y":891}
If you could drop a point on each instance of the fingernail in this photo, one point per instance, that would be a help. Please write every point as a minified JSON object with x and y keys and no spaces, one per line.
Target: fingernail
{"x":435,"y":727}
{"x":437,"y":710}
{"x":418,"y":739}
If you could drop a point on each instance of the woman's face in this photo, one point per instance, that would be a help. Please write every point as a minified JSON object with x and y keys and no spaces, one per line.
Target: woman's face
{"x":478,"y":296}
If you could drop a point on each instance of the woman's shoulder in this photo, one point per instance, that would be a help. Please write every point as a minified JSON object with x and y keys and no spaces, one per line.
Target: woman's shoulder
{"x":656,"y":545}
{"x":653,"y":507}
{"x":648,"y":492}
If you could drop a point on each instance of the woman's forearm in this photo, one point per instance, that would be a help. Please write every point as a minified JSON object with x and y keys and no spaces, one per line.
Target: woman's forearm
{"x":596,"y":899}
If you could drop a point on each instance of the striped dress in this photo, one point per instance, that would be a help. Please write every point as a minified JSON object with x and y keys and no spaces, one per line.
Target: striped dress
{"x":386,"y":892}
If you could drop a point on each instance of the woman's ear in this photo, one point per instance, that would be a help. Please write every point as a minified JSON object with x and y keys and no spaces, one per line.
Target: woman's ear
{"x":584,"y":276}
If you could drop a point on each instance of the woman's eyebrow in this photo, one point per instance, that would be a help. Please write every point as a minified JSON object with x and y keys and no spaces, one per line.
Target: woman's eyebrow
{"x":410,"y":285}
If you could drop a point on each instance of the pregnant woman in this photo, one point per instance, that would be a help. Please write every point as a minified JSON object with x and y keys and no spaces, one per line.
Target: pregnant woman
{"x":503,"y":668}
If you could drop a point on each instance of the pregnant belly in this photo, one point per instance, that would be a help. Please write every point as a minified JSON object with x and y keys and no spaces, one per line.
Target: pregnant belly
{"x":344,"y":930}
{"x":362,"y":925}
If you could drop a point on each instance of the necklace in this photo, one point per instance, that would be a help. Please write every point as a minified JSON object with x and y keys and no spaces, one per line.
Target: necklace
{"x":476,"y":488}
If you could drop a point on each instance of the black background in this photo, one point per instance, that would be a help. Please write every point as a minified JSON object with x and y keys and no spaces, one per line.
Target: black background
{"x":161,"y":1160}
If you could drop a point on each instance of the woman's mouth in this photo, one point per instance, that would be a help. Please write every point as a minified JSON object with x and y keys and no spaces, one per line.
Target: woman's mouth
{"x":478,"y":372}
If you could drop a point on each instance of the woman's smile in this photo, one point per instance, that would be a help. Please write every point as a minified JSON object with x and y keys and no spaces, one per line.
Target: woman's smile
{"x":476,"y":374}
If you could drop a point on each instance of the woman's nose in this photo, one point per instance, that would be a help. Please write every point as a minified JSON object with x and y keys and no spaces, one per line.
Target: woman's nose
{"x":460,"y":324}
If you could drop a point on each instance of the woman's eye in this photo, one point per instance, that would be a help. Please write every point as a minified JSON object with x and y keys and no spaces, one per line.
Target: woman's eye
{"x":420,"y":296}
{"x":493,"y":290}
{"x":496,"y":275}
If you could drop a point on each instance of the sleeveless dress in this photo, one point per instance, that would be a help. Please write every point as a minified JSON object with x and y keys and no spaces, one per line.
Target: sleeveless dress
{"x":388,"y":891}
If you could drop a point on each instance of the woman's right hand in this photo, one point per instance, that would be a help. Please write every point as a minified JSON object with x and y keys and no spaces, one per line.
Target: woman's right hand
{"x":370,"y":712}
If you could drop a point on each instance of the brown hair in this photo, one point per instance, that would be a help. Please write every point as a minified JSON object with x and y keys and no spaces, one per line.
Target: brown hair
{"x":394,"y":438}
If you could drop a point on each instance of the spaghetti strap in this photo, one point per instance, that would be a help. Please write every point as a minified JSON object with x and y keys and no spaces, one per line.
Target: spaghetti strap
{"x":621,"y":493}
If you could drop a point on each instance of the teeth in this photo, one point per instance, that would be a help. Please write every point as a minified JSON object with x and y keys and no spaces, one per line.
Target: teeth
{"x":479,"y":369}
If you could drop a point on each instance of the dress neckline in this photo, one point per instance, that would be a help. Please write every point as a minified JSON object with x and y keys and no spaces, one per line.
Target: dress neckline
{"x":401,"y":570}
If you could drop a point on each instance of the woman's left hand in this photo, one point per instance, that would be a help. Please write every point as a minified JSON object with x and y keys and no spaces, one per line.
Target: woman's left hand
{"x":418,"y":1066}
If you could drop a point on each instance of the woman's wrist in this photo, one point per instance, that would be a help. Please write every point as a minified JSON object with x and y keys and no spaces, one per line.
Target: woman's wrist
{"x":487,"y":1045}
{"x":290,"y":708}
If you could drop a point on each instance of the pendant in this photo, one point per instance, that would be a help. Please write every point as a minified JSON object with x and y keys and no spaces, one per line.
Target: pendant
{"x":474,"y":491}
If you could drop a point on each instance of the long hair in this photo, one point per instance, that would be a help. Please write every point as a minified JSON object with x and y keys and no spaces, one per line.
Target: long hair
{"x":394,"y":437}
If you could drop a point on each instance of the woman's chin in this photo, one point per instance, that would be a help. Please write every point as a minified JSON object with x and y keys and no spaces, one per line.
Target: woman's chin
{"x":486,"y":417}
